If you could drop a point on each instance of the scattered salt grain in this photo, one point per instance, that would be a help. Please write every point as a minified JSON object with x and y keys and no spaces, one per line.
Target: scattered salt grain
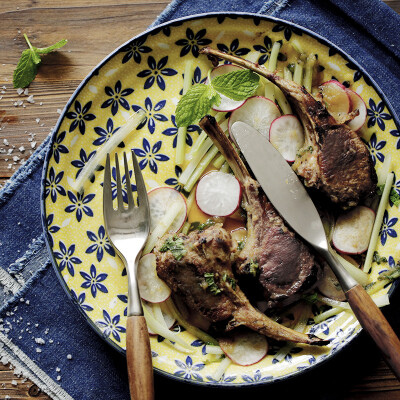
{"x":58,"y":377}
{"x":58,"y":369}
{"x":26,"y":91}
{"x":40,"y":341}
{"x":37,"y":120}
{"x":59,"y":111}
{"x":30,"y":99}
{"x":6,"y":142}
{"x":14,"y":382}
{"x":20,"y":91}
{"x":21,"y":149}
{"x":69,"y":356}
{"x":38,"y":350}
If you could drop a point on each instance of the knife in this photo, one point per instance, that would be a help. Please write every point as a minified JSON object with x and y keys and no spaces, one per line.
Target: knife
{"x":289,"y":197}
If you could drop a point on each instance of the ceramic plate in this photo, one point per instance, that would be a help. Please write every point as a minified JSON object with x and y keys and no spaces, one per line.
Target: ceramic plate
{"x":146,"y":73}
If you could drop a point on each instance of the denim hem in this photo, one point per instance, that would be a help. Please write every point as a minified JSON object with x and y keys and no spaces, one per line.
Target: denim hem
{"x":272,"y":7}
{"x":24,"y":366}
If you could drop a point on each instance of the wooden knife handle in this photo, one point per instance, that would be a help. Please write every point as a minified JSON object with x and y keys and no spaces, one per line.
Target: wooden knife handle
{"x":138,"y":356}
{"x":374,"y":322}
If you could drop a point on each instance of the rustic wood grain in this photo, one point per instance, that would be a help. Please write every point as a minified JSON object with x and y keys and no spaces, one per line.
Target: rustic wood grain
{"x":94,"y":29}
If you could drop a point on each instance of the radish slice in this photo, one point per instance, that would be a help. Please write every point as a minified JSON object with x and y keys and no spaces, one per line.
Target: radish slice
{"x":336,"y":99}
{"x":330,"y":287}
{"x":151,"y":287}
{"x":160,"y":200}
{"x":287,"y":136}
{"x":226,"y":103}
{"x":258,"y":112}
{"x":169,"y":321}
{"x":218,"y":194}
{"x":245,"y":348}
{"x":357,"y":103}
{"x":353,"y":230}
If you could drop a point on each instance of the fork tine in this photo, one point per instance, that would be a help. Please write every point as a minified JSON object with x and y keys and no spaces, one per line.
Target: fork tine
{"x":140,"y":185}
{"x":119,"y":184}
{"x":107,"y":192}
{"x":128,"y":184}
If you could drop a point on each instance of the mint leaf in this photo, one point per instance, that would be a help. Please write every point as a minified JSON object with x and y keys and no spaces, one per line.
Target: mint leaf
{"x":195,"y":104}
{"x":237,"y":85}
{"x":26,"y":69}
{"x":56,"y":46}
{"x":28,"y":64}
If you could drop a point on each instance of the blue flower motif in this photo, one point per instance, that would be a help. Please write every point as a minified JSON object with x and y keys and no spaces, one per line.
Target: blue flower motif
{"x":376,"y":114}
{"x":256,"y":378}
{"x":79,"y":204}
{"x":192,"y":42}
{"x":84,"y":158}
{"x":264,"y":50}
{"x":52,"y":185}
{"x":150,"y":156}
{"x":81,"y":300}
{"x":391,"y":262}
{"x":79,"y":116}
{"x":386,"y":229}
{"x":93,"y":281}
{"x":51,"y":228}
{"x":188,"y":370}
{"x":197,"y":76}
{"x":116,"y":97}
{"x":374,"y":146}
{"x":105,"y":134}
{"x":396,"y":133}
{"x":67,"y":258}
{"x":58,"y":148}
{"x":101,"y":243}
{"x":173,"y":181}
{"x":152,"y":114}
{"x":124,"y":299}
{"x":154,"y":73}
{"x":134,"y":49}
{"x":233,"y":49}
{"x":123,"y":186}
{"x":110,"y":326}
{"x":287,"y":30}
{"x":173,"y":132}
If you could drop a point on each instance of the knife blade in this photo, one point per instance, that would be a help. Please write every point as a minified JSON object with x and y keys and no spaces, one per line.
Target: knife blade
{"x":289,"y":197}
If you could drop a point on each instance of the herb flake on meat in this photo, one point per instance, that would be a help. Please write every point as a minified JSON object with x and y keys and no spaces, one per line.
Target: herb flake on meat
{"x":175,"y":245}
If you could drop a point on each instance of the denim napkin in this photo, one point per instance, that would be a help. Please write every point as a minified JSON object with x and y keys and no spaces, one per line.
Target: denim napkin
{"x":42,"y":333}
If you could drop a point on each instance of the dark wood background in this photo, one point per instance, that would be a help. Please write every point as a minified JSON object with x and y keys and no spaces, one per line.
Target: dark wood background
{"x":93,"y":29}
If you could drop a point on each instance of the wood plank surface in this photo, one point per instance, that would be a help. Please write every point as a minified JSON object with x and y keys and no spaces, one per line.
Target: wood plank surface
{"x":94,"y":29}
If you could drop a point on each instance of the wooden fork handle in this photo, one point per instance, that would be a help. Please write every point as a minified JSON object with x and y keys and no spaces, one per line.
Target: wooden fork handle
{"x":138,"y":356}
{"x":374,"y":322}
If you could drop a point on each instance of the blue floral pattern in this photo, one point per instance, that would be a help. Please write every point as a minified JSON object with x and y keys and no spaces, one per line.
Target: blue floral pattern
{"x":79,"y":204}
{"x":156,"y":72}
{"x":58,"y":148}
{"x":192,"y":42}
{"x":376,"y":114}
{"x":264,"y":50}
{"x":134,"y":50}
{"x":174,"y":181}
{"x":83,"y":159}
{"x":101,"y":243}
{"x":188,"y":370}
{"x":52,"y":185}
{"x":374,"y":147}
{"x":387,"y":228}
{"x":51,"y":228}
{"x":152,"y":113}
{"x":81,"y":300}
{"x":150,"y":155}
{"x":80,"y":116}
{"x":233,"y":49}
{"x":110,"y":326}
{"x":94,"y":281}
{"x":117,"y":97}
{"x":174,"y":131}
{"x":105,"y":134}
{"x":67,"y":258}
{"x":123,"y":185}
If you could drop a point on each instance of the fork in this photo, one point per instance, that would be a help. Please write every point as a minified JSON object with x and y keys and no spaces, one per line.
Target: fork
{"x":128,"y":229}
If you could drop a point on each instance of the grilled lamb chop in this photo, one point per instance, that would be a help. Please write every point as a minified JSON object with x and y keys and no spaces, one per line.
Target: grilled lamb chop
{"x":283,"y":264}
{"x":333,"y":159}
{"x":198,"y":267}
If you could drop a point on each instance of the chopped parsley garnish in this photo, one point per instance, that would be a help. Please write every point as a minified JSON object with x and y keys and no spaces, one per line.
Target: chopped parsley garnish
{"x":230,"y":280}
{"x":378,"y":259}
{"x":253,"y":267}
{"x":391,"y":275}
{"x":240,"y":245}
{"x":394,"y":197}
{"x":175,"y":245}
{"x":198,"y":226}
{"x":212,"y":286}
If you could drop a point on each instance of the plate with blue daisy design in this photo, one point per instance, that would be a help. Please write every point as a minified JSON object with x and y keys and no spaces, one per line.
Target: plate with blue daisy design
{"x":147,"y":73}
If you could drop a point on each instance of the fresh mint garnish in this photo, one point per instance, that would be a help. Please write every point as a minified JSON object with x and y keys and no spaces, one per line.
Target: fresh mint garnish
{"x":28,"y":64}
{"x":237,"y":85}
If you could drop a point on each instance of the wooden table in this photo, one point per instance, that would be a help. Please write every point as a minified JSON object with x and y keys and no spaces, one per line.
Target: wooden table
{"x":94,"y":29}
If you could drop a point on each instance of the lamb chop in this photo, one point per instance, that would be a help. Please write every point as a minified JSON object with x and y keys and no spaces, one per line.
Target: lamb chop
{"x":198,"y":267}
{"x":333,"y":159}
{"x":283,"y":265}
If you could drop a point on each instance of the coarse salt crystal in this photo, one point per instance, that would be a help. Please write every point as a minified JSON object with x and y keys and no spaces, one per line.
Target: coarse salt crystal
{"x":6,"y":142}
{"x":14,"y":382}
{"x":38,"y":350}
{"x":37,"y":120}
{"x":20,"y":91}
{"x":69,"y":356}
{"x":21,"y":149}
{"x":30,"y":99}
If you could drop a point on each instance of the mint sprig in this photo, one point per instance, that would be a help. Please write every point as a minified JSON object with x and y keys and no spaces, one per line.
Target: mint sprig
{"x":237,"y":85}
{"x":28,"y":64}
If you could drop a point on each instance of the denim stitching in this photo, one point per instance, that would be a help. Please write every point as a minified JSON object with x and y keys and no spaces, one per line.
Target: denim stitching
{"x":272,"y":7}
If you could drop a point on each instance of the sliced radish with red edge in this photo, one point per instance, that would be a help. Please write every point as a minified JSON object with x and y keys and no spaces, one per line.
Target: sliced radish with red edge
{"x":258,"y":112}
{"x":357,"y":103}
{"x":287,"y":136}
{"x":151,"y":287}
{"x":160,"y":199}
{"x":218,"y":194}
{"x":353,"y":229}
{"x":336,"y":99}
{"x":244,"y":348}
{"x":226,"y":103}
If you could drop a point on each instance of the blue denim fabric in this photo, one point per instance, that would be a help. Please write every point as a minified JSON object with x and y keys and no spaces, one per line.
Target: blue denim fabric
{"x":35,"y":306}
